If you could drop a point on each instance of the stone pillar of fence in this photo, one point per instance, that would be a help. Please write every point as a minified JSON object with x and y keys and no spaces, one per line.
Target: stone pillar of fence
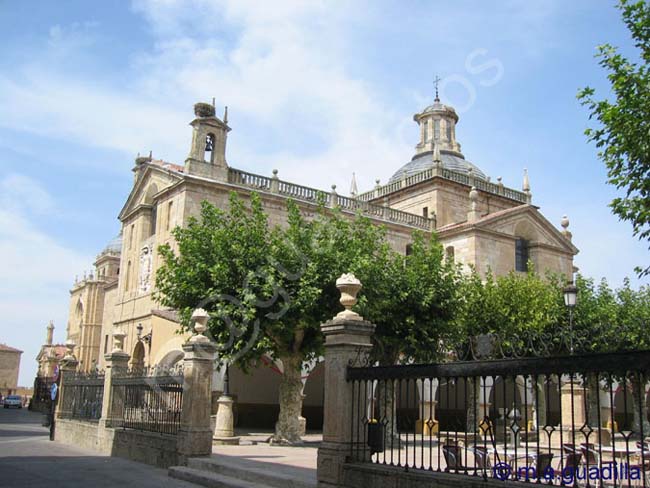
{"x":195,"y":433}
{"x":67,"y":367}
{"x":347,"y":337}
{"x":116,"y":363}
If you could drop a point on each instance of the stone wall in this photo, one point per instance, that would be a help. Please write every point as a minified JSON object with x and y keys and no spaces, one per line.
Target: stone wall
{"x":146,"y":447}
{"x":9,"y":366}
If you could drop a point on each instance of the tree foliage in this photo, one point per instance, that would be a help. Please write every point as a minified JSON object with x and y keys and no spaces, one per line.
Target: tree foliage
{"x":622,"y":134}
{"x":523,"y":307}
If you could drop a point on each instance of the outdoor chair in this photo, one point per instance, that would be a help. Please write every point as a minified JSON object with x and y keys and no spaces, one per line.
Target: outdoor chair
{"x":454,"y":459}
{"x":591,"y":458}
{"x":481,"y":456}
{"x":571,"y":463}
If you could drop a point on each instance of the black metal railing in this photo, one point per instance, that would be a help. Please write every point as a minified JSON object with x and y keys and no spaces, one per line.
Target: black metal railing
{"x":82,"y":395}
{"x":149,"y":399}
{"x":554,"y":420}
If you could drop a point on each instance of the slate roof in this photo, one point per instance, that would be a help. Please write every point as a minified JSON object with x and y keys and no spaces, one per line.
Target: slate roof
{"x":424,"y":161}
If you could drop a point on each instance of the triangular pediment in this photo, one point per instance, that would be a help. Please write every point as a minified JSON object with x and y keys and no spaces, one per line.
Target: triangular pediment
{"x":152,"y":180}
{"x":527,"y":222}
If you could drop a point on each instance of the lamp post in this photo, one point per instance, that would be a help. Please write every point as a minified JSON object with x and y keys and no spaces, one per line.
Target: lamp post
{"x":570,"y":300}
{"x":226,"y":380}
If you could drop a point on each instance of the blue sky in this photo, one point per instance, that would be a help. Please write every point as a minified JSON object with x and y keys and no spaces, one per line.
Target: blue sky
{"x":315,"y":89}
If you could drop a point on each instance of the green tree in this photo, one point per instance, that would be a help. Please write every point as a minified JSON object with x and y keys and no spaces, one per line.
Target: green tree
{"x":517,"y":307}
{"x":413,"y":300}
{"x":268,"y":290}
{"x":624,"y":124}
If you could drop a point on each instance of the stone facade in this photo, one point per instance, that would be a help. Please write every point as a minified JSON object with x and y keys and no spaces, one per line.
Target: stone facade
{"x":9,"y":368}
{"x":480,"y":223}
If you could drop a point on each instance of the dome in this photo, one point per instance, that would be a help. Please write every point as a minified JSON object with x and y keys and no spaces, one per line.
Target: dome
{"x":437,"y":107}
{"x":450,"y":160}
{"x":114,"y":246}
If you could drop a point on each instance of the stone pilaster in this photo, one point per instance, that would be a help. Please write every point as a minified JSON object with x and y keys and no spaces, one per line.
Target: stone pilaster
{"x":195,"y":433}
{"x":117,"y":362}
{"x":346,"y":337}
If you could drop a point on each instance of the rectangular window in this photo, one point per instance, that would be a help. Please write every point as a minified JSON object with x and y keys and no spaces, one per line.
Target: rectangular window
{"x":436,"y":130}
{"x":426,"y":131}
{"x":154,"y":219}
{"x":425,"y":212}
{"x":106,"y":344}
{"x":448,"y":131}
{"x":521,"y":255}
{"x":131,"y":236}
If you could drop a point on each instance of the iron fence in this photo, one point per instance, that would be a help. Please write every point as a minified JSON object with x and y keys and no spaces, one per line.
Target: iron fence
{"x":149,"y":399}
{"x":565,"y":420}
{"x":82,"y":395}
{"x":41,"y":398}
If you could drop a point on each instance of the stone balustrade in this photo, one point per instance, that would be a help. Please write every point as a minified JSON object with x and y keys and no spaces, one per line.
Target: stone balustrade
{"x":332,"y":199}
{"x":448,"y":174}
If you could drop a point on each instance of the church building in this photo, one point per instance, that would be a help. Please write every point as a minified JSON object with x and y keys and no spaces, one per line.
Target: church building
{"x":481,"y":223}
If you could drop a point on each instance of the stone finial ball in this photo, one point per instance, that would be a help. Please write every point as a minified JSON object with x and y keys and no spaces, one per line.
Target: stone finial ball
{"x":203,"y":110}
{"x":473,"y":194}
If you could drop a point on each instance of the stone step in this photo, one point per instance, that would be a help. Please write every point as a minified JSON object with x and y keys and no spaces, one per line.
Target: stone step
{"x":266,"y":474}
{"x":208,"y":478}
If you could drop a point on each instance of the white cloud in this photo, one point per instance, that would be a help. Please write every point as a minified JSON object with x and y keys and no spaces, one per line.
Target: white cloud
{"x":37,"y":271}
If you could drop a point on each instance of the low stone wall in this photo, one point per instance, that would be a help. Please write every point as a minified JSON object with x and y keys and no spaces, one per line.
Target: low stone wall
{"x":365,"y":475}
{"x":145,"y":447}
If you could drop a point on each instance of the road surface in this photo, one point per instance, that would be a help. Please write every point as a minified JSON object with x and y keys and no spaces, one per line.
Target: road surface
{"x":29,"y":459}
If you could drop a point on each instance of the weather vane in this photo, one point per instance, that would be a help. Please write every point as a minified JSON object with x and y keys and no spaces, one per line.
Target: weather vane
{"x":437,"y":80}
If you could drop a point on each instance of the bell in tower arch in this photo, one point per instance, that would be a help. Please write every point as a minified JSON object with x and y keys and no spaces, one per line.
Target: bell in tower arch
{"x":209,"y":143}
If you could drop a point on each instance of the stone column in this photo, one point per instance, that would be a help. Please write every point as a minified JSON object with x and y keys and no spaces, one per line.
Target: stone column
{"x":346,"y":336}
{"x":573,"y":404}
{"x":195,"y":435}
{"x":224,"y":428}
{"x":117,"y":362}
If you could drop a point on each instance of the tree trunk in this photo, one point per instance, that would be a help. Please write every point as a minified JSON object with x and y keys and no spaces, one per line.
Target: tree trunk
{"x":593,"y":391}
{"x":540,"y":403}
{"x":287,"y":428}
{"x":473,"y":405}
{"x":640,"y":411}
{"x":387,"y":403}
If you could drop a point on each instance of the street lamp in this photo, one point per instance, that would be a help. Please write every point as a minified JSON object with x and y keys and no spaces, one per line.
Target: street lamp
{"x":570,"y":300}
{"x":147,"y":338}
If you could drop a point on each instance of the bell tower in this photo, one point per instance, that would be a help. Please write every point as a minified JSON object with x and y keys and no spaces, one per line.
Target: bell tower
{"x":208,"y":150}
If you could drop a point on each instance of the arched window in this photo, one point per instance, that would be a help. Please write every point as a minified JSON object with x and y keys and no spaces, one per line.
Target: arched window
{"x":436,"y":130}
{"x":154,"y":219}
{"x":149,"y":200}
{"x":209,"y":147}
{"x":450,"y":253}
{"x":521,"y":254}
{"x":426,"y":130}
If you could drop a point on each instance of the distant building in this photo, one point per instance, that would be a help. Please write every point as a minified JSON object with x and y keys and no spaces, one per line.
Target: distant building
{"x":50,"y":354}
{"x":9,"y":368}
